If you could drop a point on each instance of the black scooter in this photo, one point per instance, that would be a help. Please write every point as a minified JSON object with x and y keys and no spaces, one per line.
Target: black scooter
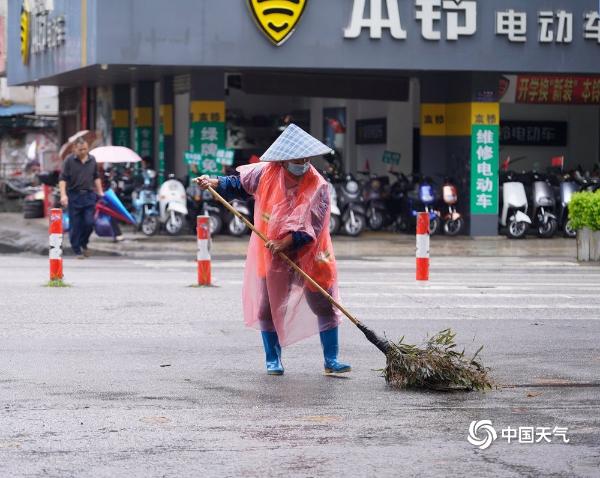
{"x":351,"y":204}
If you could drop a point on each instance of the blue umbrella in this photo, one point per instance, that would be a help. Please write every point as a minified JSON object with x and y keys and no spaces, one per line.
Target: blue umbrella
{"x":112,"y":201}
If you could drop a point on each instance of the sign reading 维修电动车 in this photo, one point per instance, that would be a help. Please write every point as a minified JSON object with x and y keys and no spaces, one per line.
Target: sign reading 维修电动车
{"x":40,"y":32}
{"x":208,"y":134}
{"x":484,"y":169}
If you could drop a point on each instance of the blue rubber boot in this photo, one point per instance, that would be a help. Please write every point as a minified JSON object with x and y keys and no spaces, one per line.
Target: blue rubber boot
{"x":272,"y":353}
{"x":329,"y":341}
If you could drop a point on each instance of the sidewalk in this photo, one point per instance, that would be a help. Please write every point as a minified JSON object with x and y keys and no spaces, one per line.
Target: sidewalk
{"x":31,"y":235}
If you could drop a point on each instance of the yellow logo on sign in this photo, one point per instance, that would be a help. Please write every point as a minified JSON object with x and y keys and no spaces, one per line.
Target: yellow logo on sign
{"x":25,"y":32}
{"x":277,"y":18}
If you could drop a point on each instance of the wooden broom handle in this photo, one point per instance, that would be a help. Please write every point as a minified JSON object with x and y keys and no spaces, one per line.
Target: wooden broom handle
{"x":291,"y":263}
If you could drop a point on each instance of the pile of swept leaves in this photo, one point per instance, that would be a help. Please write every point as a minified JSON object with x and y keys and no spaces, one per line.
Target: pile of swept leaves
{"x":436,"y":366}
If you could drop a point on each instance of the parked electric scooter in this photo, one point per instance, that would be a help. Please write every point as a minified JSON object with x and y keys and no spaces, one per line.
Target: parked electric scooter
{"x":396,"y":202}
{"x":543,"y":206}
{"x":374,"y":194}
{"x":202,"y":202}
{"x":567,"y":188}
{"x":335,"y":217}
{"x":235,"y":225}
{"x":352,"y":207}
{"x":172,"y":205}
{"x":513,"y":215}
{"x":453,"y":220}
{"x":421,"y":198}
{"x":144,"y":205}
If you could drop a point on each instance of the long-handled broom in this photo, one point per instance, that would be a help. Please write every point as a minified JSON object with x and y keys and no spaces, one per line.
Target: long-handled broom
{"x":434,"y":366}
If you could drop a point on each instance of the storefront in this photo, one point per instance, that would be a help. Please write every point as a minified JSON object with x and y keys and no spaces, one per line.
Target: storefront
{"x":430,"y":81}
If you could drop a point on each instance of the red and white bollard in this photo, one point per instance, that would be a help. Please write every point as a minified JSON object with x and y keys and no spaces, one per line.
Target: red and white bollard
{"x":423,"y":246}
{"x":203,"y":234}
{"x":55,"y":230}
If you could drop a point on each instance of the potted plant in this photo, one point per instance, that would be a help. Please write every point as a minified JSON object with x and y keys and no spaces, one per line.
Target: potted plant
{"x":584,"y":212}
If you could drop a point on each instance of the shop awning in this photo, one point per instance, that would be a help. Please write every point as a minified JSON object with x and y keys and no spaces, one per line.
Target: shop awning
{"x":16,"y":110}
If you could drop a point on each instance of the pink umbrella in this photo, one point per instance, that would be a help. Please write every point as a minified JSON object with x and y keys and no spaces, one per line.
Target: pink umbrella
{"x":91,"y":137}
{"x":115,"y":154}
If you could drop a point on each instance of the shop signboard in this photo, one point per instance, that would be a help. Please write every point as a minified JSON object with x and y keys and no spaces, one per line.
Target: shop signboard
{"x":371,"y":131}
{"x":392,"y":158}
{"x":225,"y":157}
{"x":485,"y":152}
{"x":121,"y":132}
{"x":144,"y":132}
{"x":202,"y":165}
{"x":143,"y":141}
{"x":533,"y":133}
{"x":550,"y":90}
{"x":208,"y":134}
{"x":579,"y":90}
{"x":161,"y":153}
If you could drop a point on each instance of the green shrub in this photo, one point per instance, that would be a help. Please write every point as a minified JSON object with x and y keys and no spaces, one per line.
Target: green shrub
{"x":584,"y":210}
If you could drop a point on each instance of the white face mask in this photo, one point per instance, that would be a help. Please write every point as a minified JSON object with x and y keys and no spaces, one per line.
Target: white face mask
{"x":298,"y":169}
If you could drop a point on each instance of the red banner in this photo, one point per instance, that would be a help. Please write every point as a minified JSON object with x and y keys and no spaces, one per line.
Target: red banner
{"x":565,"y":90}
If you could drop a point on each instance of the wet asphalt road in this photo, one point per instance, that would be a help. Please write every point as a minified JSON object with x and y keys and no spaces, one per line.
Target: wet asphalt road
{"x":131,"y":372}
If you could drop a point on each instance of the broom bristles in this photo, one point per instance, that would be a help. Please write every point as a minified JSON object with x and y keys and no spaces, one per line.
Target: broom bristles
{"x":435,"y":366}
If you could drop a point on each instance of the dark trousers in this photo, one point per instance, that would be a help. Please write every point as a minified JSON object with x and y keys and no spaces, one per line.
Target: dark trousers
{"x":320,"y":306}
{"x":82,"y":206}
{"x":115,"y":227}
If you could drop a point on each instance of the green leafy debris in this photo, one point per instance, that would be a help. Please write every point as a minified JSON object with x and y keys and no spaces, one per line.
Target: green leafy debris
{"x":436,"y":366}
{"x":57,"y":283}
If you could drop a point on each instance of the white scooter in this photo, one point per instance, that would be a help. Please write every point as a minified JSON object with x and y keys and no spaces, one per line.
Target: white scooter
{"x":514,"y":209}
{"x":172,"y":206}
{"x":335,"y":218}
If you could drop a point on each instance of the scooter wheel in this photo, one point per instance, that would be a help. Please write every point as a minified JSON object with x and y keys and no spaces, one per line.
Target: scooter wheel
{"x":174,"y":224}
{"x":516,"y":230}
{"x":356,"y":227}
{"x":435,"y":225}
{"x":568,"y":230}
{"x":237,"y":227}
{"x":215,"y":223}
{"x":453,"y":227}
{"x":150,"y":225}
{"x":334,"y":224}
{"x":376,"y":221}
{"x":549,"y":229}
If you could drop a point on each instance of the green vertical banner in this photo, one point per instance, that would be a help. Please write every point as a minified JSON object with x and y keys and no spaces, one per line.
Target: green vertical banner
{"x":485,"y":152}
{"x":121,"y":135}
{"x":207,"y":139}
{"x":161,"y":153}
{"x":144,"y":143}
{"x":207,"y":135}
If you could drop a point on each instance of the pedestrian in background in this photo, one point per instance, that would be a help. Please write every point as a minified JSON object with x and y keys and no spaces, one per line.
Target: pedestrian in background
{"x":80,"y":188}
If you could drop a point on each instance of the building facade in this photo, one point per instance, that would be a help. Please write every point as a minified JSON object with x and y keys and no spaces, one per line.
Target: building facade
{"x":439,"y":87}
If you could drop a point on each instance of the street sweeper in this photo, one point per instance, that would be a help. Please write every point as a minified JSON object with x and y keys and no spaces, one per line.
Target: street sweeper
{"x":292,"y":213}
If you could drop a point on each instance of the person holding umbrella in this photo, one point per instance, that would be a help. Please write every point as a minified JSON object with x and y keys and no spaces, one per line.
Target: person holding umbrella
{"x":80,"y":187}
{"x":292,"y":209}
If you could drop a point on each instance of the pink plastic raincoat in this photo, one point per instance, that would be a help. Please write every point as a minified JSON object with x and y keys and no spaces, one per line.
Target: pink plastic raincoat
{"x":275,"y":297}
